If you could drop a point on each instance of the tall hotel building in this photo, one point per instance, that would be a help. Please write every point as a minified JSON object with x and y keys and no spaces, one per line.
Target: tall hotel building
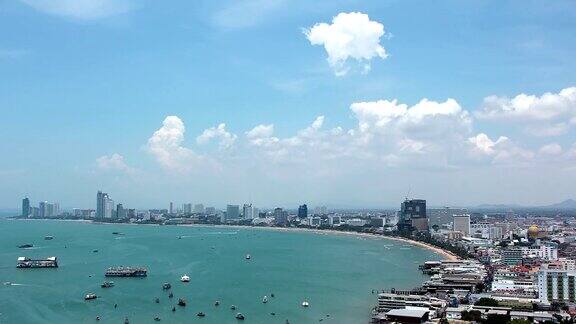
{"x":556,"y":286}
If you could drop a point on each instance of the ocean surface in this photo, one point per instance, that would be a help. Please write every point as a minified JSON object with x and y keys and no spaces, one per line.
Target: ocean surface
{"x":334,"y":273}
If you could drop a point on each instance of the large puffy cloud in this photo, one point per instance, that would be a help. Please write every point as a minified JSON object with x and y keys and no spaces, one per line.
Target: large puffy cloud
{"x":396,"y":129}
{"x":114,"y":162}
{"x":166,"y":146}
{"x":502,"y":150}
{"x":350,"y":36}
{"x":81,"y":9}
{"x":225,"y":138}
{"x":551,"y":114}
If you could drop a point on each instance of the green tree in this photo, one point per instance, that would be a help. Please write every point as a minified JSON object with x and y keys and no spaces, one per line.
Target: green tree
{"x":484,"y":301}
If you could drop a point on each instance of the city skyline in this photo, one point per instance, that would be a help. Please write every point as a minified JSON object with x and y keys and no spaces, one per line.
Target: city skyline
{"x":339,"y":103}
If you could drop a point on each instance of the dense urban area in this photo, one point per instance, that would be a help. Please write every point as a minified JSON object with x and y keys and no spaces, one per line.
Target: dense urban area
{"x":501,"y":264}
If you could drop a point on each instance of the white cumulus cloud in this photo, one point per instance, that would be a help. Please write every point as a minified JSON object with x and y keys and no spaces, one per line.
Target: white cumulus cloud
{"x":226,"y":139}
{"x":166,"y":146}
{"x":114,"y":162}
{"x":551,"y":114}
{"x":350,"y":36}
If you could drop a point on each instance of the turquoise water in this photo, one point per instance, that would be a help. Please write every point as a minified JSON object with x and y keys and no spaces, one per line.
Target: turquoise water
{"x":335,"y":273}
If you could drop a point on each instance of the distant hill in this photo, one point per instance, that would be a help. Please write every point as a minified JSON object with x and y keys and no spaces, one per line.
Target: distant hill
{"x":498,"y":206}
{"x":566,"y":204}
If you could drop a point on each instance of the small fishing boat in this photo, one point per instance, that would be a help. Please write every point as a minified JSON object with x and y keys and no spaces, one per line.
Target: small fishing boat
{"x":265,"y":299}
{"x":25,"y":246}
{"x":233,"y":307}
{"x":217,"y":303}
{"x":200,"y":314}
{"x":248,"y":256}
{"x":272,"y":295}
{"x":305,"y":304}
{"x":173,"y":308}
{"x":48,"y":237}
{"x":166,"y":286}
{"x":157,"y":319}
{"x":170,"y":295}
{"x":107,"y":284}
{"x":185,"y":278}
{"x":157,"y":300}
{"x":239,"y":316}
{"x":181,"y":302}
{"x":126,"y":321}
{"x":90,"y":296}
{"x":94,"y":251}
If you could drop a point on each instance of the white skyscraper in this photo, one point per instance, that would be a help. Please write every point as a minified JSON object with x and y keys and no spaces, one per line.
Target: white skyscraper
{"x":461,"y":224}
{"x":248,"y":211}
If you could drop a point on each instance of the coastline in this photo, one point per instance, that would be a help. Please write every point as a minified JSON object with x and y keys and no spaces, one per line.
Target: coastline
{"x":444,"y":253}
{"x":447,"y":255}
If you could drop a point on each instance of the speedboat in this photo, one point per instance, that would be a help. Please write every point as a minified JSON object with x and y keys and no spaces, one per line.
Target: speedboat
{"x":25,"y":246}
{"x":166,"y":286}
{"x":248,"y":256}
{"x":90,"y":296}
{"x":305,"y":304}
{"x":107,"y":284}
{"x":48,"y":237}
{"x":216,"y":303}
{"x":265,"y":299}
{"x":200,"y":314}
{"x":185,"y":278}
{"x":181,"y":302}
{"x":239,"y":316}
{"x":233,"y":307}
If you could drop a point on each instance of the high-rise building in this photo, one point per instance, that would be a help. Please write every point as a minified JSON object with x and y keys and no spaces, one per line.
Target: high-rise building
{"x":247,"y":211}
{"x":512,"y":256}
{"x":187,"y":208}
{"x":302,"y":211}
{"x":280,"y":216}
{"x":413,"y":216}
{"x":461,"y":223}
{"x":120,"y":211}
{"x":26,"y":207}
{"x":43,"y":209}
{"x":556,"y":286}
{"x":171,"y":210}
{"x":232,"y":212}
{"x":100,"y":202}
{"x":108,"y":208}
{"x":210,"y":211}
{"x":199,"y":208}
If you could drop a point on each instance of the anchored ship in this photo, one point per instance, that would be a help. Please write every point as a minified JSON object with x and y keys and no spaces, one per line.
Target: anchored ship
{"x":25,"y":262}
{"x":126,"y":272}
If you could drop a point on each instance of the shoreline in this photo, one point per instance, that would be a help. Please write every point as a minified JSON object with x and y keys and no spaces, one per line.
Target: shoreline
{"x":447,"y":255}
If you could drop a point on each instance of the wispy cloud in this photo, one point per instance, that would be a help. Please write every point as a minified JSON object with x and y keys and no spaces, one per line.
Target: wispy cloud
{"x":81,"y":9}
{"x":246,"y":13}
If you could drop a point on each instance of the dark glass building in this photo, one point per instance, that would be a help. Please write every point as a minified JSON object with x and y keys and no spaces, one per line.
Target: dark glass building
{"x":302,"y":211}
{"x":26,"y":207}
{"x":413,"y":216}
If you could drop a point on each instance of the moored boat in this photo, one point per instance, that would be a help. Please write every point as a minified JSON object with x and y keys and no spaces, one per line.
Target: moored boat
{"x":185,"y":278}
{"x":90,"y":296}
{"x":107,"y":284}
{"x":239,"y":316}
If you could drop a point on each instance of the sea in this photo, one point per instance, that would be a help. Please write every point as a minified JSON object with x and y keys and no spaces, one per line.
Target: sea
{"x":336,"y":274}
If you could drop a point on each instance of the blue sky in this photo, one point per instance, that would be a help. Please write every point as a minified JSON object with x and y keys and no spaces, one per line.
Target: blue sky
{"x":84,"y":86}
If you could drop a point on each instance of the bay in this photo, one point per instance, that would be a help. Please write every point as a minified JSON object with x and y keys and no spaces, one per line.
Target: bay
{"x":334,"y":273}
